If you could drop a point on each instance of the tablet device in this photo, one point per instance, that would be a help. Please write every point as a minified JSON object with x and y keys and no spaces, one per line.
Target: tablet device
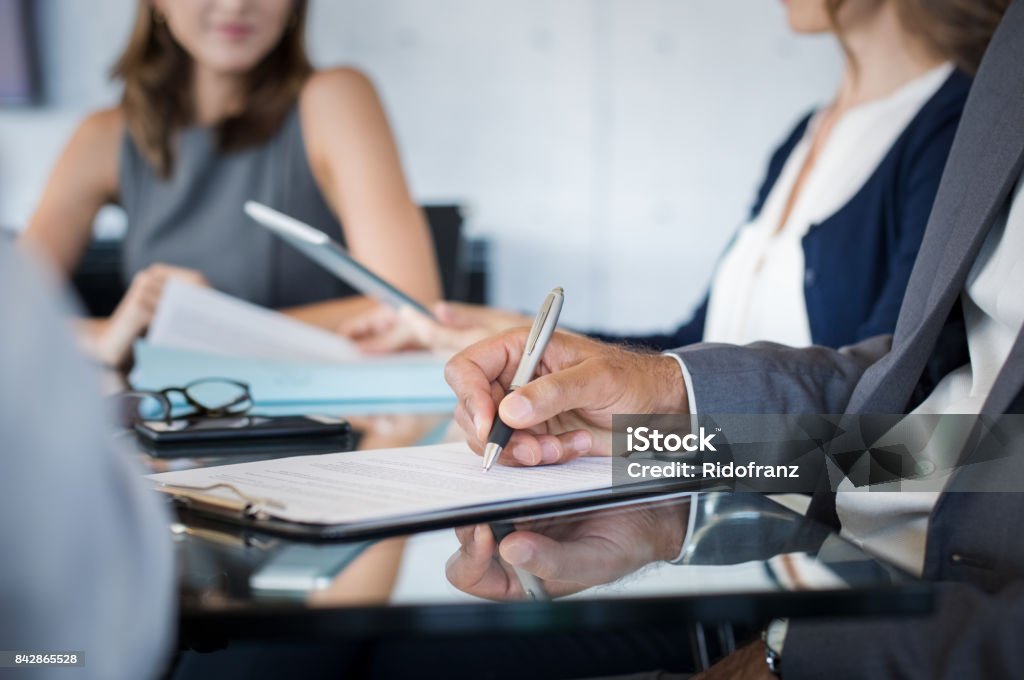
{"x":330,"y":255}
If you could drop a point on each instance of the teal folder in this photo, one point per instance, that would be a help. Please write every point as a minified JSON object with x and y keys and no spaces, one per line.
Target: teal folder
{"x":379,"y":385}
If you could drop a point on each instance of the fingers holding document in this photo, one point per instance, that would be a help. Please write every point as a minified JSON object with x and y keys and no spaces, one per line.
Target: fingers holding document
{"x":567,"y":410}
{"x":112,"y":339}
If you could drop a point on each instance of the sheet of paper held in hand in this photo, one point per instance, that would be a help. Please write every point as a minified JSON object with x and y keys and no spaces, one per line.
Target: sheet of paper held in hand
{"x":205,"y":320}
{"x":361,"y":486}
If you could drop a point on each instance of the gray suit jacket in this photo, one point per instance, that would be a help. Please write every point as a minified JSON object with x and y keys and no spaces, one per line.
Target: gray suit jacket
{"x":973,"y":552}
{"x":85,"y":554}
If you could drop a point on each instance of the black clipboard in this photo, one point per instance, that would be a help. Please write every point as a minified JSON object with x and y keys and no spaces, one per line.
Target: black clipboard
{"x":259,"y":514}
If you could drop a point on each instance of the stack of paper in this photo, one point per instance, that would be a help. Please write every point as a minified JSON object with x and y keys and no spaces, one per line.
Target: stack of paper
{"x":206,"y":320}
{"x":202,"y":333}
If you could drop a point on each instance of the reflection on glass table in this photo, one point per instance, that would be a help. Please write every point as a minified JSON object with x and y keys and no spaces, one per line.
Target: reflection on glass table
{"x":223,"y":569}
{"x":748,"y":560}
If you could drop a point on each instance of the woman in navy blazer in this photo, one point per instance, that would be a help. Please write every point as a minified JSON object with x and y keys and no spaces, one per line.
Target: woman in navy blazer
{"x":907,"y":78}
{"x":858,"y":260}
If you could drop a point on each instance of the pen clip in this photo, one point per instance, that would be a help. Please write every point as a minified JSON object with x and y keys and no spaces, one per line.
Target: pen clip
{"x":536,"y":341}
{"x":538,"y":324}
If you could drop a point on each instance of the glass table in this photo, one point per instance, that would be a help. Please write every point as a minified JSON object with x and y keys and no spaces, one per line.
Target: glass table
{"x":748,"y":560}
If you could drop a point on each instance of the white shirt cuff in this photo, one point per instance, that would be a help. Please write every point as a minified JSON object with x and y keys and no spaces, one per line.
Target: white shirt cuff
{"x":687,"y":380}
{"x":775,"y":635}
{"x":692,"y":520}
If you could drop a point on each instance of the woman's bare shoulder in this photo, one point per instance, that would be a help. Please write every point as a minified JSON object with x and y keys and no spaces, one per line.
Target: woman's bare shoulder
{"x":342,"y":86}
{"x":102,"y":125}
{"x":92,"y":153}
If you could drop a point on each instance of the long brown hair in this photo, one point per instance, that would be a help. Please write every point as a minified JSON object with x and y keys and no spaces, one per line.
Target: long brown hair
{"x":157,"y":99}
{"x":957,"y":30}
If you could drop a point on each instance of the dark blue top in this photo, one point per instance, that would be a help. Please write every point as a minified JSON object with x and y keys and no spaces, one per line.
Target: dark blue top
{"x":858,"y":261}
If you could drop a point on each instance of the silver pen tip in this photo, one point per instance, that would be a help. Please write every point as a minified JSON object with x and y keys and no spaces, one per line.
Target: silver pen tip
{"x":491,"y":453}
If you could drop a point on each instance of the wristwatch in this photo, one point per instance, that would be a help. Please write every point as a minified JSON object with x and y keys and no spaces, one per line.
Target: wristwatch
{"x":774,"y":637}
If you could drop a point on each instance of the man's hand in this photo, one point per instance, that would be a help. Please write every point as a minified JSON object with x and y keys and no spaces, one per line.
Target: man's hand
{"x":567,"y":555}
{"x":566,"y":411}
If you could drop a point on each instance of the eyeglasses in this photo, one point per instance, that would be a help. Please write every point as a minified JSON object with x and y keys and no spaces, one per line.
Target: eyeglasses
{"x":206,"y":397}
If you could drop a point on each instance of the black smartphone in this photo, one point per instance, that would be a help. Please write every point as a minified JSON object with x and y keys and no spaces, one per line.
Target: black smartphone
{"x":242,"y":429}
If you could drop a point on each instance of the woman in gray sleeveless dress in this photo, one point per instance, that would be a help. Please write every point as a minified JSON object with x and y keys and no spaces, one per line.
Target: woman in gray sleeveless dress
{"x":221,"y":106}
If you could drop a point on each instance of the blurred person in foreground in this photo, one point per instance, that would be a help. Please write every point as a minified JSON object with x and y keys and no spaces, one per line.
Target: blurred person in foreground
{"x":87,"y":562}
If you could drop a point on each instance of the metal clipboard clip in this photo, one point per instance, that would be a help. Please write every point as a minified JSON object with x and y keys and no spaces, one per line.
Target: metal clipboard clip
{"x":247,"y":506}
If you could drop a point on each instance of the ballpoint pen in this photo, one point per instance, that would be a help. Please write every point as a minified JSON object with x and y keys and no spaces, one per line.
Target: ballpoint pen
{"x":536,"y":342}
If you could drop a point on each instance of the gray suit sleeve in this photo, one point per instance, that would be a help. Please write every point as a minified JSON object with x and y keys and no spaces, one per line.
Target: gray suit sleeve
{"x":972,"y":634}
{"x":766,"y":377}
{"x":87,"y":562}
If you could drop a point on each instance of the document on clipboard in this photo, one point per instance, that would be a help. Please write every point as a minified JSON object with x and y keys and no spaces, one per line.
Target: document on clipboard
{"x":376,"y":492}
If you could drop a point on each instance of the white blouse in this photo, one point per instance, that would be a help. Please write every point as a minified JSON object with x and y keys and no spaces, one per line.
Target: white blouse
{"x":757,"y":292}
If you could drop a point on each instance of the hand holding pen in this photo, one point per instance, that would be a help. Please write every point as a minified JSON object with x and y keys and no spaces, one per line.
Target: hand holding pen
{"x":567,"y":410}
{"x":558,"y":416}
{"x":543,"y":327}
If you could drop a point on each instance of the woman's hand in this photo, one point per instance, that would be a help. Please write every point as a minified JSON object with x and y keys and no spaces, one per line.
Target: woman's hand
{"x":383,"y":329}
{"x":111,"y":340}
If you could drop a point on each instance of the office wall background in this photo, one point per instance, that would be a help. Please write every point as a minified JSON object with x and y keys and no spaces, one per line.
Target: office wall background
{"x":609,"y":146}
